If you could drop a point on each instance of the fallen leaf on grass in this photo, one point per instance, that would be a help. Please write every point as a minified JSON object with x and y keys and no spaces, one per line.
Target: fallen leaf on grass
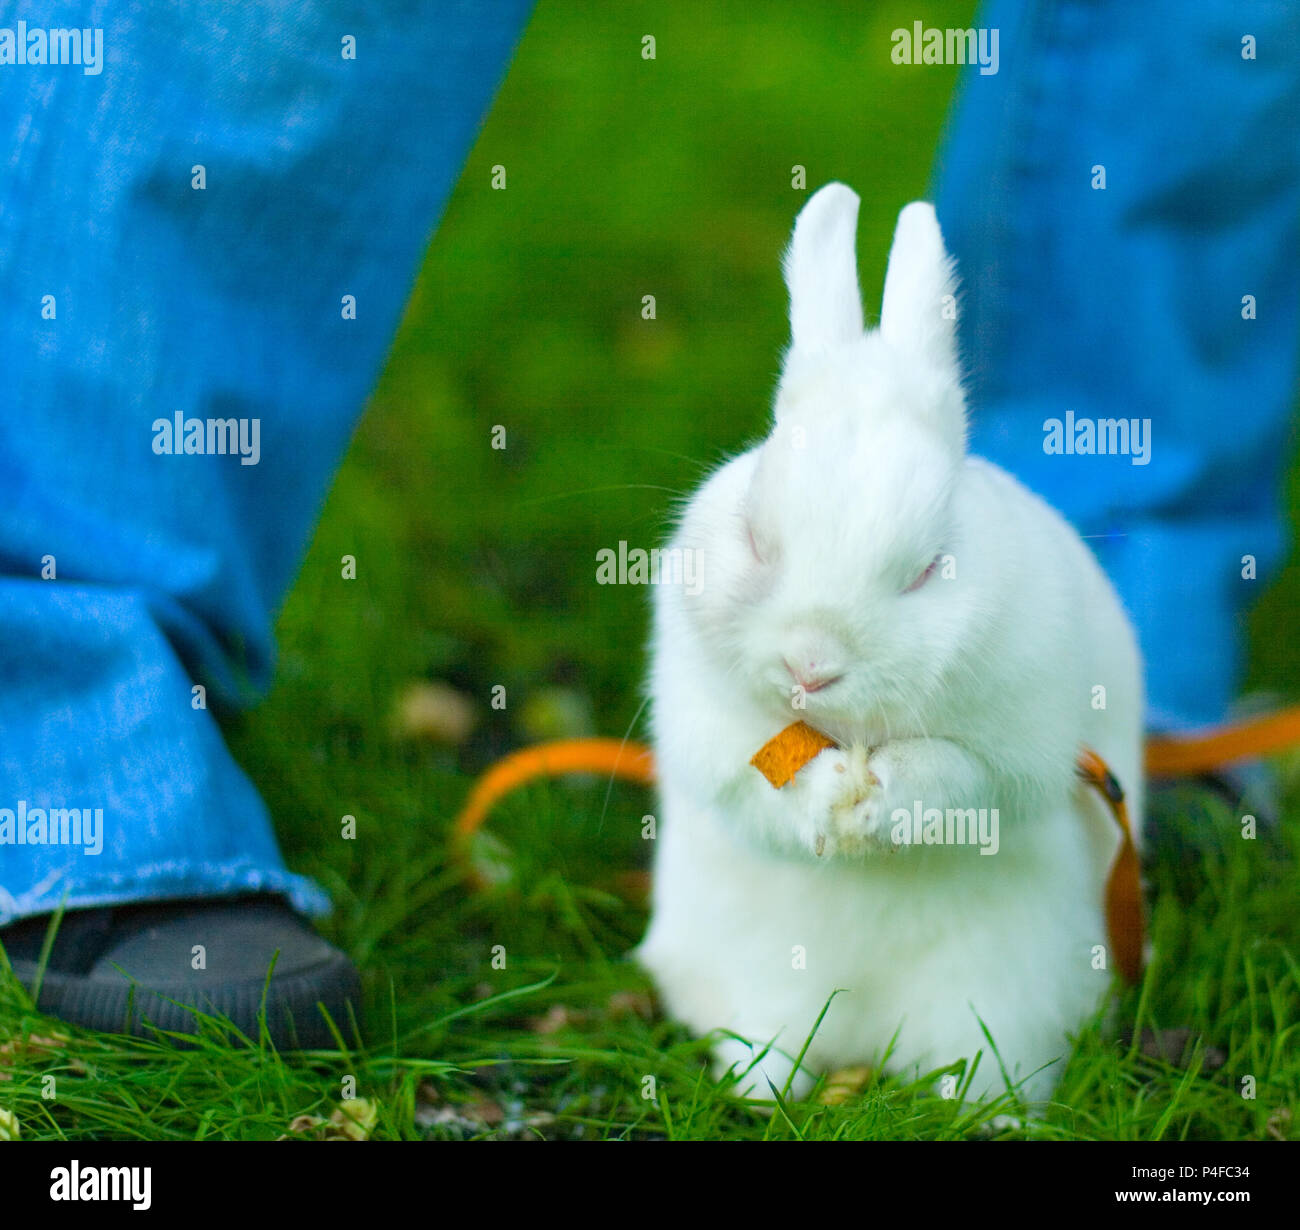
{"x":479,"y":1115}
{"x":554,"y":1019}
{"x":353,"y":1119}
{"x":35,"y":1047}
{"x":843,"y":1084}
{"x":619,"y":1006}
{"x":32,"y":1045}
{"x":473,"y":1117}
{"x":631,"y":1003}
{"x":435,"y":711}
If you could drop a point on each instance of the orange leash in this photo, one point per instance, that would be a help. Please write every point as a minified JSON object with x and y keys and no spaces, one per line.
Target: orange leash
{"x":630,"y":761}
{"x":1125,"y":923}
{"x":1185,"y":755}
{"x":1166,"y":756}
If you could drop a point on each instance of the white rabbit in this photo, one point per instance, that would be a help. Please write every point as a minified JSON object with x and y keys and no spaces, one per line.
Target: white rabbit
{"x":956,"y":638}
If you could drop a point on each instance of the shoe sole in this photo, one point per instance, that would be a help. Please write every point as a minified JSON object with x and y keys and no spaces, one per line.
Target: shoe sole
{"x":293,"y":1020}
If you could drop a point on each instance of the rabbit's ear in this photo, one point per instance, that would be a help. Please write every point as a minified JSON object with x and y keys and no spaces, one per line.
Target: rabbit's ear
{"x":919,"y":311}
{"x":821,"y":270}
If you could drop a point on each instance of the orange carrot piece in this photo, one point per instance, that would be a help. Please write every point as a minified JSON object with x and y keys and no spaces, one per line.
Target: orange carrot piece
{"x":783,"y":755}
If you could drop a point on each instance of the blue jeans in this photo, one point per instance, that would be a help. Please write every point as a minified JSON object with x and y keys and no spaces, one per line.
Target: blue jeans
{"x":130,"y":571}
{"x":323,"y":177}
{"x":1127,"y":301}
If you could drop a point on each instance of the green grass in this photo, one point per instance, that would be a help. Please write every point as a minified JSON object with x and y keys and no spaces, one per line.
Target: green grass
{"x":625,"y":178}
{"x":559,"y":1042}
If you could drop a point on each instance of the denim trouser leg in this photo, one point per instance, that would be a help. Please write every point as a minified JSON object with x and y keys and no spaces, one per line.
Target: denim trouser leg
{"x":131,"y":569}
{"x":1127,"y":301}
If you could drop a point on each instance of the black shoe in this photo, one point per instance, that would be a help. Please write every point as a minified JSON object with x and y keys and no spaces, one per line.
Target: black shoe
{"x":112,"y":969}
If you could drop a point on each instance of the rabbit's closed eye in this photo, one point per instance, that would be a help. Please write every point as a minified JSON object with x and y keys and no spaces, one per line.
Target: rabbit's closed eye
{"x":924,"y":577}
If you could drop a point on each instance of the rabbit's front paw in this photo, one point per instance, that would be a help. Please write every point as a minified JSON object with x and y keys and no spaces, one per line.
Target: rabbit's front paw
{"x":848,"y":817}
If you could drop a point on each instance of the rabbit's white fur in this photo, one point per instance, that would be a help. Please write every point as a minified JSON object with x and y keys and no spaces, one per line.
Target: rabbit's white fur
{"x":973,"y":690}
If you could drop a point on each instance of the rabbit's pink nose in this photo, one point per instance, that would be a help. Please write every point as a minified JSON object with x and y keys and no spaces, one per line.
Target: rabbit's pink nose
{"x":811,"y":677}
